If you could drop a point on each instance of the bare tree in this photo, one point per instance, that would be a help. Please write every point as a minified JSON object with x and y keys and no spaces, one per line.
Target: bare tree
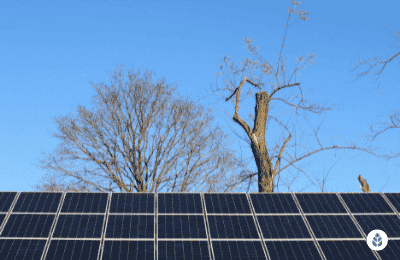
{"x":393,"y":121}
{"x":270,"y":159}
{"x":139,"y":138}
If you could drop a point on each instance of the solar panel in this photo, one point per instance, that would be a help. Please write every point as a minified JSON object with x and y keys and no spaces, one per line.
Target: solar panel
{"x":226,"y":203}
{"x":181,"y":226}
{"x":73,"y":249}
{"x":292,"y":250}
{"x":51,"y":225}
{"x":6,"y":199}
{"x":132,"y":203}
{"x":79,"y":226}
{"x":179,"y":203}
{"x":28,"y":225}
{"x":238,"y":250}
{"x":338,"y":226}
{"x":238,"y":227}
{"x":135,"y":250}
{"x":85,"y":202}
{"x":389,"y":223}
{"x":394,"y":198}
{"x":273,"y":203}
{"x":126,"y":226}
{"x":320,"y":203}
{"x":183,"y":250}
{"x":366,"y":203}
{"x":283,"y":227}
{"x":21,"y":249}
{"x":346,"y":249}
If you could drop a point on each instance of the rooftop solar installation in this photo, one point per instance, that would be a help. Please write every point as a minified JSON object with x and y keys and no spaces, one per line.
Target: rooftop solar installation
{"x":99,"y":226}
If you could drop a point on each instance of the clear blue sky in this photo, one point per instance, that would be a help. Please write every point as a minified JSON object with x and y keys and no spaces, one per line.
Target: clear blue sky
{"x":49,"y":51}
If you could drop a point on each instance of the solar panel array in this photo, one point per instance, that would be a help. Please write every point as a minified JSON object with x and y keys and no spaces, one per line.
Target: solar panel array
{"x":100,"y":226}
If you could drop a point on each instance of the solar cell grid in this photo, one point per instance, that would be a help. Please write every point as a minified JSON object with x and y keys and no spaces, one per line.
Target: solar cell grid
{"x":11,"y":249}
{"x":292,"y":250}
{"x":390,"y":224}
{"x":85,"y":203}
{"x":273,"y":203}
{"x":366,"y":203}
{"x":346,"y":249}
{"x":130,"y":226}
{"x":196,"y":250}
{"x":37,"y":202}
{"x":132,"y":203}
{"x":135,"y":250}
{"x":182,"y":226}
{"x":28,"y":225}
{"x":283,"y":227}
{"x":394,"y":198}
{"x":179,"y":203}
{"x":6,"y":199}
{"x":234,"y":226}
{"x":73,"y":249}
{"x":79,"y":226}
{"x":231,"y":203}
{"x":238,"y":250}
{"x":333,"y":226}
{"x":320,"y":203}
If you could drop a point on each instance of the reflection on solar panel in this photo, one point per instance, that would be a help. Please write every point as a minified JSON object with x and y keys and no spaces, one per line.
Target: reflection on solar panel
{"x":55,"y":225}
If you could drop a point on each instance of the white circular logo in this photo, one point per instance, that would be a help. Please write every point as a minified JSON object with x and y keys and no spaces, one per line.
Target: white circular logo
{"x":377,"y":240}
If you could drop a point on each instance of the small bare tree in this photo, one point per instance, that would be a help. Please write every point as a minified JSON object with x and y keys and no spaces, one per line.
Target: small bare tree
{"x":394,"y":118}
{"x":264,"y":155}
{"x":139,"y":138}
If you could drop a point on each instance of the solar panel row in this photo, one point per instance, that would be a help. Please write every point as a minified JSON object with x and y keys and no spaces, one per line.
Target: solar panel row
{"x":196,"y":226}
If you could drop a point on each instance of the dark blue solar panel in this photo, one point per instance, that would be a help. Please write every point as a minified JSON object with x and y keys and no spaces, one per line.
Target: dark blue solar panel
{"x":37,"y":202}
{"x":173,"y":226}
{"x":232,"y":227}
{"x":390,"y":224}
{"x":238,"y":250}
{"x":135,"y":250}
{"x":2,"y":217}
{"x":283,"y":227}
{"x":183,"y":250}
{"x":6,"y":199}
{"x":11,"y":249}
{"x":320,"y":203}
{"x":79,"y":226}
{"x":295,"y":250}
{"x":73,"y":249}
{"x":391,"y":251}
{"x":179,"y":203}
{"x":273,"y":203}
{"x":135,"y":226}
{"x":342,"y":249}
{"x":132,"y":203}
{"x":394,"y":198}
{"x":85,"y":202}
{"x":366,"y":203}
{"x":28,"y":225}
{"x":338,"y":226}
{"x":227,"y":203}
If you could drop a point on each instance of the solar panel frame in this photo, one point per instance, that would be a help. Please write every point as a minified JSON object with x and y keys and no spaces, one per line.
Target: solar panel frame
{"x":224,"y":247}
{"x":73,"y":249}
{"x":62,"y":230}
{"x":335,"y":249}
{"x":125,"y":248}
{"x":133,"y":229}
{"x":180,"y":250}
{"x":35,"y":202}
{"x":17,"y":225}
{"x":269,"y":229}
{"x":394,"y":199}
{"x":23,"y":247}
{"x":279,"y":248}
{"x":186,"y":227}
